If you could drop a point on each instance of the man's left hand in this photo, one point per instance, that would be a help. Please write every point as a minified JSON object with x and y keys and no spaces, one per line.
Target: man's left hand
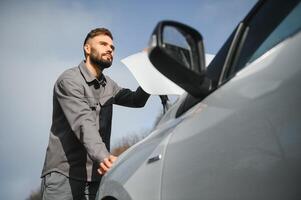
{"x":106,"y":164}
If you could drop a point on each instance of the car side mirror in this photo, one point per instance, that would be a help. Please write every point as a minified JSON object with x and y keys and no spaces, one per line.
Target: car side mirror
{"x":176,"y":50}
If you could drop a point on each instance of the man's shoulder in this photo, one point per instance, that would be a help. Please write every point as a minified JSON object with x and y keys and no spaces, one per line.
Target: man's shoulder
{"x":112,"y":85}
{"x":72,"y":74}
{"x":108,"y":78}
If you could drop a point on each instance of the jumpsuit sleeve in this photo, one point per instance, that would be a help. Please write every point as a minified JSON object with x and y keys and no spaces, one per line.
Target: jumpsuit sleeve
{"x":135,"y":99}
{"x":129,"y":98}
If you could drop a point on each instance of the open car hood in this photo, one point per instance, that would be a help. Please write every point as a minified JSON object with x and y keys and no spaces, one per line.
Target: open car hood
{"x":149,"y":78}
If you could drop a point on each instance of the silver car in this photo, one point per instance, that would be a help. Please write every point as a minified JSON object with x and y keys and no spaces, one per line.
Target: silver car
{"x":236,"y":132}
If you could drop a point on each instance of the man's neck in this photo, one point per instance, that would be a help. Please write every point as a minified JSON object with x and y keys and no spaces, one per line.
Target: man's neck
{"x":94,"y":69}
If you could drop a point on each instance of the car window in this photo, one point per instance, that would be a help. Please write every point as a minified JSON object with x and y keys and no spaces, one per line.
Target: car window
{"x":215,"y":67}
{"x":274,"y":22}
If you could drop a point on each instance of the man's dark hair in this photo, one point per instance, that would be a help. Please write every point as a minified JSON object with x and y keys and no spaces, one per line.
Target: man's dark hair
{"x":96,"y":32}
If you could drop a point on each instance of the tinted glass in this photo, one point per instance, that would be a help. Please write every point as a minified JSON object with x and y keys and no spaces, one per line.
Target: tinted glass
{"x":275,"y":21}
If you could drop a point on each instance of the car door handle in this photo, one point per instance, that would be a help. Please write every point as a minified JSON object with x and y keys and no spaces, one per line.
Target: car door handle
{"x":155,"y":158}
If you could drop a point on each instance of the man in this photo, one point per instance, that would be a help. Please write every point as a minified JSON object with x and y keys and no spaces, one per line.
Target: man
{"x":79,"y":143}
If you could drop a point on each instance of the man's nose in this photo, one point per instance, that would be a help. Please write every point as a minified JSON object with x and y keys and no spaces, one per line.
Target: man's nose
{"x":109,"y":50}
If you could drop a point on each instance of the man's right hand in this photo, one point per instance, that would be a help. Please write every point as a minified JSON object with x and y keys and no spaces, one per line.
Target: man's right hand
{"x":106,"y":164}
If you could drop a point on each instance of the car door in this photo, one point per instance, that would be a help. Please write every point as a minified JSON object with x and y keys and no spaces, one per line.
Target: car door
{"x":243,"y":141}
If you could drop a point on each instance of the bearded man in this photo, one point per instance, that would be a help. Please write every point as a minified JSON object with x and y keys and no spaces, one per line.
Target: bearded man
{"x":78,"y":153}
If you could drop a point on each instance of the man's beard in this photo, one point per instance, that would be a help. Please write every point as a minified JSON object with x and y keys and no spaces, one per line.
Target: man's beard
{"x":101,"y":63}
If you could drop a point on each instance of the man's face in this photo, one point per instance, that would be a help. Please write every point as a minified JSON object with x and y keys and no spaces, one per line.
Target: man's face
{"x":100,"y":51}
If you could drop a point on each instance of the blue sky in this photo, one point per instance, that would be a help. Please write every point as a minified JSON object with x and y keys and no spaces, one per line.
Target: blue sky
{"x":40,"y":39}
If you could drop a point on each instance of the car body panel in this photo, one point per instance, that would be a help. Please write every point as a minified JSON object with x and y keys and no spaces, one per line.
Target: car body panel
{"x":133,"y":167}
{"x":225,"y":155}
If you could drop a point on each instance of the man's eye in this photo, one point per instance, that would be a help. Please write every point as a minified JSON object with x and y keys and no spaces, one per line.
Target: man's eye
{"x":103,"y":43}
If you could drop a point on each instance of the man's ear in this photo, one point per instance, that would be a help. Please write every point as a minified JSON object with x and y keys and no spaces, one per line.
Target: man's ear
{"x":87,"y":49}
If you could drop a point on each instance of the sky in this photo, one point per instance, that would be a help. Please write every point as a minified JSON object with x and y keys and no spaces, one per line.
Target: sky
{"x":40,"y":39}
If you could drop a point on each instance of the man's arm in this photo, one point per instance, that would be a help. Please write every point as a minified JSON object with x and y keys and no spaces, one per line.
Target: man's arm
{"x":80,"y":118}
{"x":126,"y":97}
